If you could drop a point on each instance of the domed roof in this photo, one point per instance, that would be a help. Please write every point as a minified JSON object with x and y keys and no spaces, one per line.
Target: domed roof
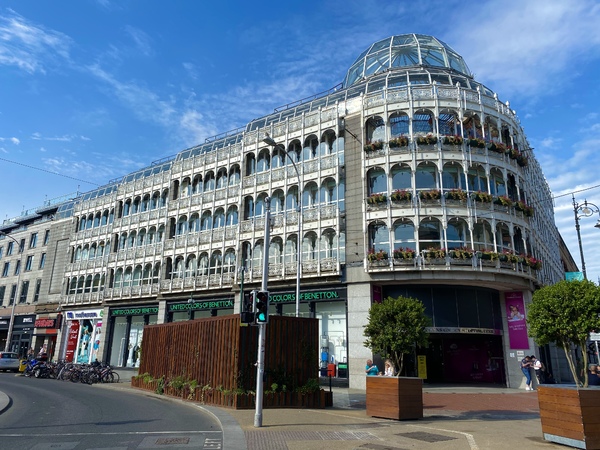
{"x":405,"y":50}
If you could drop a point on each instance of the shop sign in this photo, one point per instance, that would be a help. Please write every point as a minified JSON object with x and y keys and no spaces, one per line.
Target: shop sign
{"x":517,"y":326}
{"x":134,"y":311}
{"x":330,"y":294}
{"x":88,"y":314}
{"x":24,"y":321}
{"x":46,"y":323}
{"x":195,"y":306}
{"x":463,"y":330}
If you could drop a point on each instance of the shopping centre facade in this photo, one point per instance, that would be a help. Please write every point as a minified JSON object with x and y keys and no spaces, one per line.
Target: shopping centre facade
{"x":410,"y":178}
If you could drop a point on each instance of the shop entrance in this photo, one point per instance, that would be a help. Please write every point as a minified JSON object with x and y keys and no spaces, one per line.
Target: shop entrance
{"x":456,"y":358}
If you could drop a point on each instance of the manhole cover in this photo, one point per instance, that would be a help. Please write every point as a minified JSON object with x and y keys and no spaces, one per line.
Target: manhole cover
{"x":426,"y":437}
{"x":173,"y":441}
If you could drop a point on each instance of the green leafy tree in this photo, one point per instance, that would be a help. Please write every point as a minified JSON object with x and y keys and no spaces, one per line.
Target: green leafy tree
{"x":394,"y":327}
{"x":565,"y":313}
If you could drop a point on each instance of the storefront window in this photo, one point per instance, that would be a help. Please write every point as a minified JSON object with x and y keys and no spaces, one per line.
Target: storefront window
{"x":118,"y":342}
{"x":332,"y":330}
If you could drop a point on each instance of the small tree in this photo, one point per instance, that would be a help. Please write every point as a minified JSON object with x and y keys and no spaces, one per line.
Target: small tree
{"x":565,"y":313}
{"x":394,"y":327}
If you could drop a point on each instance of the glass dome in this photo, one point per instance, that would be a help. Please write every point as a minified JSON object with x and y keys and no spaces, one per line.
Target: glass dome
{"x":405,"y":50}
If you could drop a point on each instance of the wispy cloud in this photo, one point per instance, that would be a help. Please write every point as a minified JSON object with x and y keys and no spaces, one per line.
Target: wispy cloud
{"x":142,"y":41}
{"x":29,"y":46}
{"x":65,"y":138}
{"x":14,"y":140}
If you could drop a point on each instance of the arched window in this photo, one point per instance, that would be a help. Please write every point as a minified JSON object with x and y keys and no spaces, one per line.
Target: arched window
{"x":209,"y":181}
{"x":327,"y":245}
{"x":85,"y":252}
{"x":401,"y":177}
{"x":232,"y":216}
{"x":457,"y":234}
{"x":257,"y":254}
{"x":90,"y":222}
{"x":185,"y":188}
{"x":197,"y":184}
{"x":426,"y":176}
{"x":379,"y":237}
{"x":422,"y":122}
{"x":290,"y":251}
{"x":127,"y":208}
{"x":146,"y":203}
{"x":92,"y":254}
{"x":123,"y":241}
{"x":73,"y":285}
{"x":219,"y":219}
{"x":497,"y":183}
{"x":179,"y":269}
{"x":206,"y":221}
{"x":141,"y":240}
{"x":503,"y":238}
{"x":156,"y":273}
{"x":399,"y":125}
{"x":119,"y":278}
{"x":375,"y":129}
{"x":131,"y":239}
{"x":327,"y":145}
{"x":182,"y":225}
{"x":221,"y":178}
{"x":482,"y":236}
{"x":97,"y":220}
{"x":328,"y":191}
{"x":203,"y":264}
{"x":248,"y":207}
{"x":430,"y":234}
{"x":250,"y":164}
{"x":291,"y":199}
{"x":127,"y":277}
{"x":216,"y":262}
{"x":309,"y":246}
{"x":160,"y":235}
{"x":137,"y":276}
{"x":194,"y":223}
{"x":104,"y":219}
{"x":88,"y":284}
{"x":136,"y":205}
{"x":448,"y":124}
{"x":477,"y":179}
{"x":276,"y":251}
{"x":277,"y":201}
{"x":151,"y":238}
{"x":259,"y":208}
{"x":147,"y":275}
{"x":191,"y":266}
{"x":404,"y":235}
{"x":310,"y":196}
{"x":234,"y":175}
{"x":96,"y":283}
{"x":229,"y":261}
{"x":377,"y":180}
{"x":263,"y":163}
{"x":309,"y":150}
{"x":77,"y":254}
{"x":155,"y":200}
{"x":453,"y":177}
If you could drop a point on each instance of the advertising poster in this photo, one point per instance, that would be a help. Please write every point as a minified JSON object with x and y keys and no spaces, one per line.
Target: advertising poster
{"x":72,"y":339}
{"x":517,"y":326}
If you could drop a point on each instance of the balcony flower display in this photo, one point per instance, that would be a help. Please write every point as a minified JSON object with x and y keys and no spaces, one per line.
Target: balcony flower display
{"x":373,"y":146}
{"x":374,"y":256}
{"x":532,"y":262}
{"x":404,"y":253}
{"x":524,"y":208}
{"x":488,"y":255}
{"x":401,"y":195}
{"x":477,"y":142}
{"x":433,"y":194}
{"x":497,"y":147}
{"x":482,"y":197}
{"x":503,"y":200}
{"x":429,"y":139}
{"x":456,"y":194}
{"x":453,"y":140}
{"x":437,"y":253}
{"x":522,"y":160}
{"x":376,"y":199}
{"x":399,"y":141}
{"x":461,"y":253}
{"x":506,"y":256}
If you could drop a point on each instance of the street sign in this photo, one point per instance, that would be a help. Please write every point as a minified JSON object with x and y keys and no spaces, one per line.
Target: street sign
{"x":574,"y":276}
{"x":594,"y":336}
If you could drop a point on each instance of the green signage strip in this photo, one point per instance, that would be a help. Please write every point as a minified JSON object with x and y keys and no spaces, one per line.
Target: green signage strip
{"x":195,"y":306}
{"x":304,"y":296}
{"x":134,"y":311}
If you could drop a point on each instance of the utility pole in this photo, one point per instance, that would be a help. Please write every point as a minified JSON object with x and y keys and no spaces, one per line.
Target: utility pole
{"x":260,"y":365}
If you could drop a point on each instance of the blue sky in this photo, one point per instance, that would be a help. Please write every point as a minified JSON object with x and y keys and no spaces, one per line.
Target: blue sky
{"x":95,"y":89}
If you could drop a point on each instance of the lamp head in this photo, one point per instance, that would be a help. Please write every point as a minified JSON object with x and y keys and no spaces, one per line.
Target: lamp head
{"x":597,"y":224}
{"x":269,"y":140}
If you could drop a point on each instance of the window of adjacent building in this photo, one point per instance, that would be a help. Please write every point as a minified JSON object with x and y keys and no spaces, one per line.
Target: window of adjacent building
{"x":22,"y":246}
{"x":1,"y":250}
{"x":2,"y":292}
{"x":42,"y":260}
{"x":33,"y":240}
{"x":18,"y":268}
{"x":38,"y":286}
{"x":24,"y":289}
{"x":13,"y":294}
{"x":6,"y":269}
{"x":29,"y":263}
{"x":9,"y":248}
{"x":46,"y":237}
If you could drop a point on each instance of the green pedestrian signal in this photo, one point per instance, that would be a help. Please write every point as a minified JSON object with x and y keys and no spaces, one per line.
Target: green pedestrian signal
{"x":261,"y":307}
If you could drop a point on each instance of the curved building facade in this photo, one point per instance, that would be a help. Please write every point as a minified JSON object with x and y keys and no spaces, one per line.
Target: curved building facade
{"x":411,"y":179}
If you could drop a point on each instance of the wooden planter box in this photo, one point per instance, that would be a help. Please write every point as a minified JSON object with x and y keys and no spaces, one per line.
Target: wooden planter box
{"x":399,"y":398}
{"x":570,"y":416}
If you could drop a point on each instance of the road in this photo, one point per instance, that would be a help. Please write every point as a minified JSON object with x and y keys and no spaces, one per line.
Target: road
{"x":50,"y":414}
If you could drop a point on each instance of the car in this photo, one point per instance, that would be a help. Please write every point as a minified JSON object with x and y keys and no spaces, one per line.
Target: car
{"x":9,"y":361}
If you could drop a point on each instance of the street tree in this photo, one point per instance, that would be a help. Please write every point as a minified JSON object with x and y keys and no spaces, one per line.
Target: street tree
{"x":565,"y":313}
{"x":395,"y":326}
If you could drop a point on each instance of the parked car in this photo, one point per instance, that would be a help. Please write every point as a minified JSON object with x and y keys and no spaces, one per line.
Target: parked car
{"x":9,"y":361}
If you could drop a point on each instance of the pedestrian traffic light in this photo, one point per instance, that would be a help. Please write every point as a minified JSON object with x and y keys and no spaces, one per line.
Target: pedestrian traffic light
{"x":261,"y":307}
{"x":247,"y":312}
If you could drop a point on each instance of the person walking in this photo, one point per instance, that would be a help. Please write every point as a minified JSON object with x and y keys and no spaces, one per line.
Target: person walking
{"x":539,"y":369}
{"x":525,"y":366}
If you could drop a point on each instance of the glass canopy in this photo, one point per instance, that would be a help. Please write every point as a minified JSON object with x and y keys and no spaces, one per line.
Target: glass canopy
{"x":406,"y":50}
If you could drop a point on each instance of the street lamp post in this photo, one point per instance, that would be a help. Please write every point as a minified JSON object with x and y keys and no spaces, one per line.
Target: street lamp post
{"x":11,"y":324}
{"x":585,"y":209}
{"x":269,"y":141}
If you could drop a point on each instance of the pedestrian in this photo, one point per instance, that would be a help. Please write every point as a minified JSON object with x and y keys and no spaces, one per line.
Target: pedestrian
{"x":593,"y":377}
{"x":539,"y":368}
{"x":371,"y":369}
{"x":525,"y":367}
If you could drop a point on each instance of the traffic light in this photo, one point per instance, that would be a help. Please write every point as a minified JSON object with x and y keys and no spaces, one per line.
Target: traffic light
{"x":247,"y":312}
{"x":261,"y":307}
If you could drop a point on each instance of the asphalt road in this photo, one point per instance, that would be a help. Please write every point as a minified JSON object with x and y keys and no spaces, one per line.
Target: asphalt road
{"x":50,"y":414}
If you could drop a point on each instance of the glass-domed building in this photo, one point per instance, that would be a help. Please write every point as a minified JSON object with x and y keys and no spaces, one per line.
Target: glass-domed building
{"x":410,"y":178}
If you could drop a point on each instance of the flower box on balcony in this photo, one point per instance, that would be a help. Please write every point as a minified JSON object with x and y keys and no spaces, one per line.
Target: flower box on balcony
{"x":497,"y":147}
{"x":430,"y":139}
{"x":453,"y":140}
{"x":373,"y":146}
{"x":434,"y":253}
{"x":456,"y":194}
{"x":377,"y":256}
{"x":401,"y":196}
{"x":433,"y":194}
{"x":477,"y":142}
{"x":524,"y":208}
{"x":488,"y":255}
{"x":377,"y":199}
{"x":461,"y":253}
{"x":482,"y":197}
{"x":400,"y":141}
{"x":404,"y":253}
{"x":503,"y":201}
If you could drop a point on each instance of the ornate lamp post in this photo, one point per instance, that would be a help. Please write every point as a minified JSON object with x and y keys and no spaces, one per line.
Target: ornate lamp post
{"x":269,"y":141}
{"x":11,"y":324}
{"x":585,"y":209}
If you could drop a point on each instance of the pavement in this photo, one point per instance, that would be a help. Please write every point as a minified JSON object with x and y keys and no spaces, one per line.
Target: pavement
{"x":455,"y":418}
